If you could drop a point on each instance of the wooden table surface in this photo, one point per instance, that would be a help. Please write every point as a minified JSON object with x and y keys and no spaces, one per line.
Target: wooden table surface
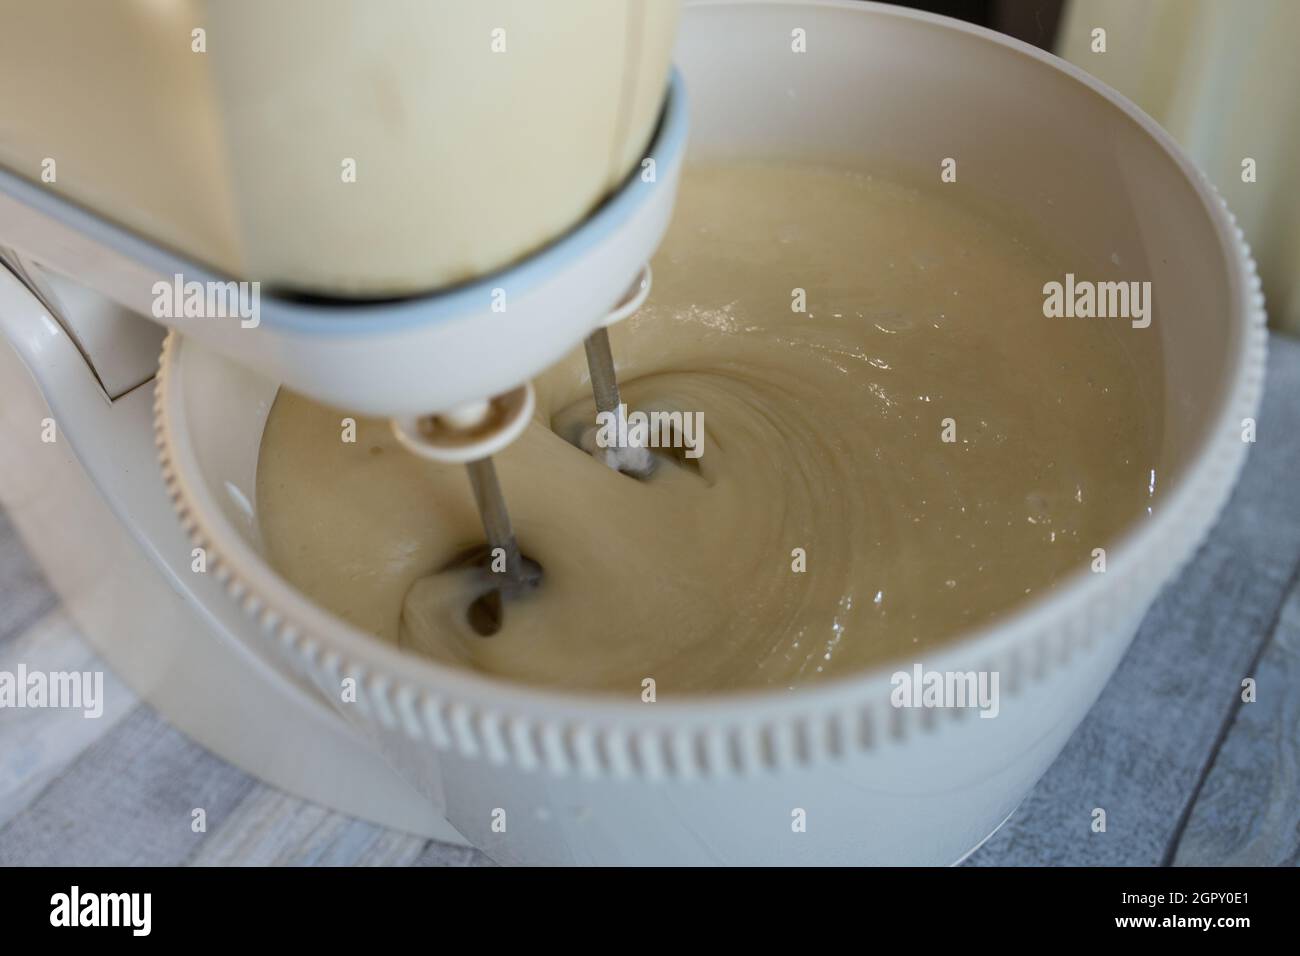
{"x":1187,"y":772}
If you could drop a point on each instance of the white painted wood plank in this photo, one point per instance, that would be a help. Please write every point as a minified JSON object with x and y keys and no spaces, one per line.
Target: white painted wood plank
{"x":126,"y":801}
{"x":37,"y":745}
{"x":24,"y":595}
{"x":1248,"y":811}
{"x":270,"y":828}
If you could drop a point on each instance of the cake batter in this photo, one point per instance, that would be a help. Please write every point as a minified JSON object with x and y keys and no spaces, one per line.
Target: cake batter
{"x":913,"y":454}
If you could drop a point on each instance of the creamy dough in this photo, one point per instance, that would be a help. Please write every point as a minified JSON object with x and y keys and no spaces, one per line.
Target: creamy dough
{"x":823,"y":433}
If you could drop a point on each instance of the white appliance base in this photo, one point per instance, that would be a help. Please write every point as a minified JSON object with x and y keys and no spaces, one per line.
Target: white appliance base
{"x":167,"y":632}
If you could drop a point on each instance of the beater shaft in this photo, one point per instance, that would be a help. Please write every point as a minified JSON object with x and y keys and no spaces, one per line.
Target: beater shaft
{"x":496,"y":519}
{"x":634,"y":461}
{"x":600,"y":363}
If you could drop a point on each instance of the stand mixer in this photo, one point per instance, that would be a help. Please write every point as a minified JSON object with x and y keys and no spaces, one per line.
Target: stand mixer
{"x":516,"y":167}
{"x":251,"y":667}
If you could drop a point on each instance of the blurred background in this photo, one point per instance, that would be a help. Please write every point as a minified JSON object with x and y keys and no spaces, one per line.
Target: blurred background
{"x":1222,"y":76}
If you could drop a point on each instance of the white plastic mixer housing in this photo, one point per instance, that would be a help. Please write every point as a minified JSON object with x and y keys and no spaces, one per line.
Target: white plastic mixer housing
{"x":405,"y":356}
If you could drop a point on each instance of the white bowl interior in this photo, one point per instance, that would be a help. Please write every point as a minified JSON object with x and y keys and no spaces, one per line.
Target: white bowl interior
{"x":904,"y":93}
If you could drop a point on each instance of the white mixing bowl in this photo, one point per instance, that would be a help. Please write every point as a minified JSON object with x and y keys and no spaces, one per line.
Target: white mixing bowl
{"x":579,"y":778}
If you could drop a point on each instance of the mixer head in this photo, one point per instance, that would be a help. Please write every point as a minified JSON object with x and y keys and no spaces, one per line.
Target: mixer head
{"x":400,"y":356}
{"x":409,"y":213}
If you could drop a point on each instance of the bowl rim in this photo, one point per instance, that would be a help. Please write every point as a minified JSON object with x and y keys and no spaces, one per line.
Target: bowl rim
{"x":1199,"y":492}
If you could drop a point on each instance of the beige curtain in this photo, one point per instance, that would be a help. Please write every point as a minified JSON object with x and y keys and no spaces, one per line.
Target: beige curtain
{"x":1223,"y":76}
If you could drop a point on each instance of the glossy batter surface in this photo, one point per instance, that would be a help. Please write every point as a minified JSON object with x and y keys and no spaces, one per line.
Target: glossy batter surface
{"x":824,"y":432}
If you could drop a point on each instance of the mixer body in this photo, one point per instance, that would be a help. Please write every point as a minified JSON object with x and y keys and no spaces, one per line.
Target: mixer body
{"x":332,"y":147}
{"x":423,"y":204}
